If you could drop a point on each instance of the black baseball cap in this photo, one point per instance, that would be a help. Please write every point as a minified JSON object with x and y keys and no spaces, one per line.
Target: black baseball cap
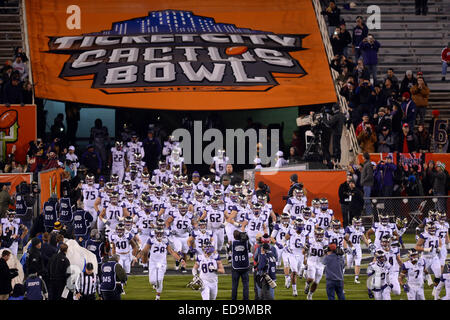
{"x":294,"y":177}
{"x":89,"y":266}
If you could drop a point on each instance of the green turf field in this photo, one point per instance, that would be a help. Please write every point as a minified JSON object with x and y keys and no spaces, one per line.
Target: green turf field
{"x":139,"y":288}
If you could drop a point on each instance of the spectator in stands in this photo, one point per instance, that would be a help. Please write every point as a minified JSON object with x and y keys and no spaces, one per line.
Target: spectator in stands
{"x":389,"y":93}
{"x":5,"y":199}
{"x":367,"y":181}
{"x":419,"y":94}
{"x":27,"y":92}
{"x":294,"y":157}
{"x":381,"y":119}
{"x":152,"y":151}
{"x":337,"y":42}
{"x":428,"y":177}
{"x":100,"y":138}
{"x":408,"y":110}
{"x":423,"y":139}
{"x":297,"y":142}
{"x":421,"y":7}
{"x":413,"y":186}
{"x":345,"y":36}
{"x":360,"y":31}
{"x":445,"y":56}
{"x":348,"y":92}
{"x":387,"y":170}
{"x":362,"y":125}
{"x":408,"y":81}
{"x":369,"y":49}
{"x":396,"y":116}
{"x":91,"y":160}
{"x":364,"y":92}
{"x":334,"y":16}
{"x":12,"y":91}
{"x":361,"y":71}
{"x":367,"y":139}
{"x":386,"y":141}
{"x":391,"y":76}
{"x":407,"y":141}
{"x":19,"y":66}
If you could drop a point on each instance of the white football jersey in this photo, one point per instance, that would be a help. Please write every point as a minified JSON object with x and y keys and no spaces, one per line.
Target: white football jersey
{"x":414,"y":272}
{"x":208,"y":267}
{"x":118,"y":158}
{"x":90,"y":194}
{"x":158,"y":250}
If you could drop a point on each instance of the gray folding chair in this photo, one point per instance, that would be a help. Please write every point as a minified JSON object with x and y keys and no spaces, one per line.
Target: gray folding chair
{"x":415,"y":215}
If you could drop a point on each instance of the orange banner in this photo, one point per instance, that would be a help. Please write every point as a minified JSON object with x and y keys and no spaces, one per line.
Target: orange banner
{"x":50,"y":182}
{"x":17,"y":128}
{"x":15,"y":179}
{"x":317,"y":183}
{"x":179,"y":54}
{"x":442,"y":157}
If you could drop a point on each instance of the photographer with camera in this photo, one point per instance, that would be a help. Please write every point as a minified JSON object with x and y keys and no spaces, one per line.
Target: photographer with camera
{"x":369,"y":48}
{"x":367,"y":138}
{"x":334,"y":271}
{"x":336,"y":123}
{"x":240,"y":264}
{"x":266,"y":272}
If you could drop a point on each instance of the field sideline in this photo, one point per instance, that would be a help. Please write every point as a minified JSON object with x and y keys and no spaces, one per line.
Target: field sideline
{"x":139,"y":288}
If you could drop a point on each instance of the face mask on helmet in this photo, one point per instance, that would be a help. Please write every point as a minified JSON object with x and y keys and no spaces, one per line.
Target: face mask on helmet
{"x":384,"y":220}
{"x":159,"y":235}
{"x":188,"y":186}
{"x":299,"y":225}
{"x":130,"y":196}
{"x":114,"y":198}
{"x":160,"y":224}
{"x":179,"y":188}
{"x":162,"y":166}
{"x":216,"y":185}
{"x":148,"y":206}
{"x":336,"y":225}
{"x":323,"y":204}
{"x":315,"y":203}
{"x":119,"y":145}
{"x":158,"y":191}
{"x":215,"y":203}
{"x":356,"y":223}
{"x":413,"y":256}
{"x":199,"y":196}
{"x":205,"y":181}
{"x":220,"y":153}
{"x":175,"y":154}
{"x":381,"y":258}
{"x":262,"y":200}
{"x":233,"y":196}
{"x":11,"y":216}
{"x":90,"y":180}
{"x":120,"y":230}
{"x":306,"y":213}
{"x":202,"y":226}
{"x":182,"y":208}
{"x":285,"y":220}
{"x":115,"y":179}
{"x":431,"y":229}
{"x":128,"y":223}
{"x":319,"y":235}
{"x":242,"y":200}
{"x":256,"y":209}
{"x":298,"y":194}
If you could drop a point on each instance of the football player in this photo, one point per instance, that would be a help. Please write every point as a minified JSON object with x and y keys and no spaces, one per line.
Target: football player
{"x":325,"y":215}
{"x":175,"y":159}
{"x":293,"y":255}
{"x":219,"y":165}
{"x":382,"y":228}
{"x":181,"y":225}
{"x":90,"y":195}
{"x":310,"y":222}
{"x":315,"y":206}
{"x":112,"y":214}
{"x":118,"y":160}
{"x":378,"y":277}
{"x":393,"y":257}
{"x":314,"y":254}
{"x":430,"y":244}
{"x":11,"y":231}
{"x":157,"y":248}
{"x":413,"y":271}
{"x":278,"y":237}
{"x":256,"y":223}
{"x":123,"y":244}
{"x":134,"y":146}
{"x":146,"y":222}
{"x":353,"y":236}
{"x":216,"y":216}
{"x":161,"y":174}
{"x":199,"y":237}
{"x":442,"y":231}
{"x":295,"y":204}
{"x":209,"y":265}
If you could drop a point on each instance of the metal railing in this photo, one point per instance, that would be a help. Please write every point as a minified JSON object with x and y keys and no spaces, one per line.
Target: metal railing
{"x":348,"y":132}
{"x":415,"y":209}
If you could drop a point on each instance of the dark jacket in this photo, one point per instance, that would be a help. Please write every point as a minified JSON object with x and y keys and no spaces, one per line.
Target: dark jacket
{"x":357,"y":203}
{"x":6,"y":275}
{"x":12,"y":94}
{"x":370,"y":52}
{"x":389,"y":146}
{"x":386,"y":173}
{"x":152,"y":150}
{"x":407,"y":84}
{"x":411,"y":140}
{"x":91,"y":160}
{"x":57,"y":267}
{"x":344,"y":193}
{"x":359,"y":34}
{"x":5,"y":201}
{"x":367,"y":174}
{"x":334,"y":17}
{"x":439,"y":183}
{"x":35,"y":261}
{"x":47,"y":252}
{"x":336,"y":122}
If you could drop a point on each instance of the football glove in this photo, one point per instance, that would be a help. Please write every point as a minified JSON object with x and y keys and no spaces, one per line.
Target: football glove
{"x":279,"y":245}
{"x":371,"y":296}
{"x":354,"y":252}
{"x":347,"y":250}
{"x":406,"y":287}
{"x":372,"y":247}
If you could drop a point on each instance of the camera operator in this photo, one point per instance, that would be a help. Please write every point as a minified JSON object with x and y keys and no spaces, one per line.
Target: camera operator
{"x":240,"y":264}
{"x":336,"y":122}
{"x":262,"y":189}
{"x":334,"y":271}
{"x":266,"y":272}
{"x":367,"y":138}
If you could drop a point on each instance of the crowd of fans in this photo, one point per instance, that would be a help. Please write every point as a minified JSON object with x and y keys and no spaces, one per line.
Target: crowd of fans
{"x":15,"y":88}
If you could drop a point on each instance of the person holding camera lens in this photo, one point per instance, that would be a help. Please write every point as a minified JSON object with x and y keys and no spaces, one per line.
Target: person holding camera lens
{"x":266,"y":272}
{"x":240,"y":264}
